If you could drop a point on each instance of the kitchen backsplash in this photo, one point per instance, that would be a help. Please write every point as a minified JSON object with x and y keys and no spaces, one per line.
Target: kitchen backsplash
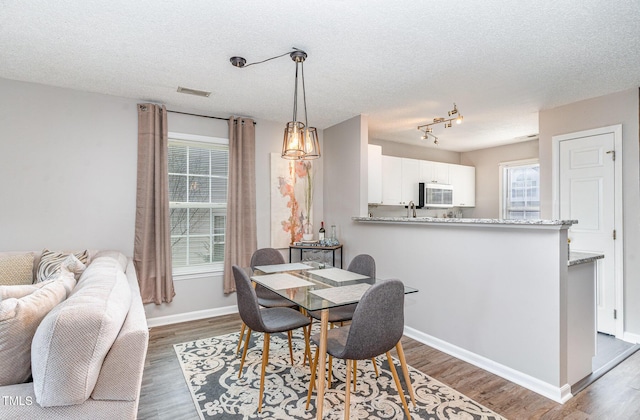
{"x":401,"y":211}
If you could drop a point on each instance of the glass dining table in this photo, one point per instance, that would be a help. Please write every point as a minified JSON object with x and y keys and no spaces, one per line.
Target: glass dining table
{"x":315,"y":287}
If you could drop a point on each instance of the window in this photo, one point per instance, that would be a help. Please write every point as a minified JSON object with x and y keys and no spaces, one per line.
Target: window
{"x":520,"y":189}
{"x":198,"y":172}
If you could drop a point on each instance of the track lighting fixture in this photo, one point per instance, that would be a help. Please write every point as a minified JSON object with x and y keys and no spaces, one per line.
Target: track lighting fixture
{"x":427,"y":129}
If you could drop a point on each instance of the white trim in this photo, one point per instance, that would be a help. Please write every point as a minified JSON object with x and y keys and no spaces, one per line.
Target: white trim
{"x":618,"y":200}
{"x":558,"y":394}
{"x":191,"y":316}
{"x":194,"y":137}
{"x":631,"y":337}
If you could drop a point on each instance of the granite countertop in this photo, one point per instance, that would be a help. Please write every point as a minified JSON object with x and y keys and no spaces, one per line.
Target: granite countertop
{"x":576,"y":258}
{"x":454,"y":221}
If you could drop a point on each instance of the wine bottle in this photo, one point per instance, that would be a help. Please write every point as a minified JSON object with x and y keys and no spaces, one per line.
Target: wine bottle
{"x":321,"y":232}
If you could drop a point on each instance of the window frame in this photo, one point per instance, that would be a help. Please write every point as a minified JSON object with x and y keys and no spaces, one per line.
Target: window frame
{"x":203,"y":270}
{"x":501,"y":175}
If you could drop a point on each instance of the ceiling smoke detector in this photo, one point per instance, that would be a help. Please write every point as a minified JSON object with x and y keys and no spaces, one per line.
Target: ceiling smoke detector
{"x":195,"y":92}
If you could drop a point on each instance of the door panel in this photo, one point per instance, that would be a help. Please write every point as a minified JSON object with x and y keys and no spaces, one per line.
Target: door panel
{"x":587,"y":195}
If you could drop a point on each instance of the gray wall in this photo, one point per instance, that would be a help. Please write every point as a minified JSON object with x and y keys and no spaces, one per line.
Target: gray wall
{"x":391,"y":148}
{"x":345,"y":191}
{"x":68,"y":164}
{"x":68,"y":160}
{"x":617,"y":108}
{"x":486,"y":162}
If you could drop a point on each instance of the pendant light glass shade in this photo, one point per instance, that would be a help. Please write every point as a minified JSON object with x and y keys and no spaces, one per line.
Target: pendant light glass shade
{"x":311,"y":144}
{"x":294,"y":140}
{"x":300,"y":141}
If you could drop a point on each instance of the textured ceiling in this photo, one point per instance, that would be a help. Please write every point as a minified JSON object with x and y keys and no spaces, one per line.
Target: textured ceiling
{"x":401,"y":63}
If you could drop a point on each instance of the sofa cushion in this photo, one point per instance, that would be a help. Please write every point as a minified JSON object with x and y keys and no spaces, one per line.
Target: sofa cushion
{"x":72,"y":341}
{"x":19,"y":319}
{"x":117,"y":255}
{"x":50,"y":263}
{"x":16,"y":269}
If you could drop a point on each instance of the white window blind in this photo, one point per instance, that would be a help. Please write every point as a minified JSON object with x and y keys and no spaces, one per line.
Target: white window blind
{"x":198,"y":173}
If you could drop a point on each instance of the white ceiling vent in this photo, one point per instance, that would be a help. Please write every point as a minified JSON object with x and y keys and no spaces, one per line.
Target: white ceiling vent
{"x":193,"y":91}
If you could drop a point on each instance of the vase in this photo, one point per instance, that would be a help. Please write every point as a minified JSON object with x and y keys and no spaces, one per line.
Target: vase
{"x":307,"y":235}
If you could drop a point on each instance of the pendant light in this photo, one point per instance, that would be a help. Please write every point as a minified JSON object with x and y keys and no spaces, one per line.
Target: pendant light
{"x":300,"y":141}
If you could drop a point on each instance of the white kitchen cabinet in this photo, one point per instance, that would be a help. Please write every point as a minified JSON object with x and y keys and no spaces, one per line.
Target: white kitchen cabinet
{"x":410,"y":175}
{"x":463,"y":179}
{"x":391,"y":180}
{"x":434,"y":172}
{"x":375,"y":174}
{"x":399,"y":180}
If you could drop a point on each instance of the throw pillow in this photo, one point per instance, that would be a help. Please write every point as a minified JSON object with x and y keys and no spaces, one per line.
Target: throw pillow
{"x":50,"y":263}
{"x":19,"y":320}
{"x":16,"y":269}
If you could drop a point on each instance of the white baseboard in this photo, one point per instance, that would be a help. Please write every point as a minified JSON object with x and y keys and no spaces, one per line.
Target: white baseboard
{"x":631,"y":337}
{"x":557,"y":394}
{"x":191,"y":316}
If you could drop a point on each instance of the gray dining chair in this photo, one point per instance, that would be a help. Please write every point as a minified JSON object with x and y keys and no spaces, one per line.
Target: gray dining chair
{"x":264,"y":320}
{"x":376,"y":328}
{"x":362,"y":264}
{"x":266,"y":297}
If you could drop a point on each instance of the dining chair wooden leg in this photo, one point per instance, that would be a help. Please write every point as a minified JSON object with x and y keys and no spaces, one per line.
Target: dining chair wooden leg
{"x":405,"y":372}
{"x":375,"y":366}
{"x":265,"y":359}
{"x":306,"y":347}
{"x":355,"y":373}
{"x":240,"y":338}
{"x":398,"y":386}
{"x":244,"y":352}
{"x":330,"y":371}
{"x":347,"y":397}
{"x":314,"y":366}
{"x":290,"y":346}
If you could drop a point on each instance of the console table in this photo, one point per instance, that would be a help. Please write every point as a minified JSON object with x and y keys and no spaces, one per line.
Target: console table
{"x":320,"y":248}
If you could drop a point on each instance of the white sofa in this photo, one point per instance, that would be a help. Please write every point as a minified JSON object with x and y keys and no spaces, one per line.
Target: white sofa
{"x":88,"y":353}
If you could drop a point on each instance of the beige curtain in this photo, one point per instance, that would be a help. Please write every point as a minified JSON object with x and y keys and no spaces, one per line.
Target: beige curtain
{"x":240,"y":235}
{"x":152,"y":246}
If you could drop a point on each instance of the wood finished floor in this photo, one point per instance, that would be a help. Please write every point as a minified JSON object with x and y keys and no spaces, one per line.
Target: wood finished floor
{"x":616,"y":395}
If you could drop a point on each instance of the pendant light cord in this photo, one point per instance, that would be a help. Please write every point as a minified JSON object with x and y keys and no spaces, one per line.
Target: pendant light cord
{"x":304,"y":95}
{"x":295,"y":95}
{"x":272,"y":58}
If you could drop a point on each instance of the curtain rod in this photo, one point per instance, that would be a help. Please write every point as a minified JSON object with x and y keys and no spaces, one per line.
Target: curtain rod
{"x":203,"y":116}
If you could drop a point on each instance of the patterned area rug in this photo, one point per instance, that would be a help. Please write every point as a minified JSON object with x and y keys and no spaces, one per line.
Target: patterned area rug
{"x":210,"y":367}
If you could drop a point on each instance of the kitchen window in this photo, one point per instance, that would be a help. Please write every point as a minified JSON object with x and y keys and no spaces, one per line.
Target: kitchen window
{"x":520,"y":189}
{"x":198,"y":172}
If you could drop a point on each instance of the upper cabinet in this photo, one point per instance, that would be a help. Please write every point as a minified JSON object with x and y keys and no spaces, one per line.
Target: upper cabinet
{"x":394,"y":180}
{"x":399,"y":180}
{"x":410,"y":173}
{"x":375,"y":174}
{"x":434,"y":172}
{"x":463,"y":179}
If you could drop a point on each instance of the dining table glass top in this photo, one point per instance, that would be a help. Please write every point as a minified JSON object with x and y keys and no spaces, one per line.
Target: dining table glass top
{"x":314,"y":286}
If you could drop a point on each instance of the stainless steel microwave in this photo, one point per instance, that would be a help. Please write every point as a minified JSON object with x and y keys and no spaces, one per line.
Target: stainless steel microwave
{"x":435,"y":195}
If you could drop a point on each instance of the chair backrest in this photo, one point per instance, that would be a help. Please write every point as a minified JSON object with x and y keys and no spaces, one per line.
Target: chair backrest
{"x":247,"y":300}
{"x":363,"y":264}
{"x":378,"y":321}
{"x":266,"y":256}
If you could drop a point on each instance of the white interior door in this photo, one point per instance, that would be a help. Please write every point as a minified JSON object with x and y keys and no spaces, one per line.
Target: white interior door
{"x":587,"y":194}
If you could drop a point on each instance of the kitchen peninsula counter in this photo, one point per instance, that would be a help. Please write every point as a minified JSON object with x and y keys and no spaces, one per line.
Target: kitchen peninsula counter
{"x":454,"y":221}
{"x":505,"y":295}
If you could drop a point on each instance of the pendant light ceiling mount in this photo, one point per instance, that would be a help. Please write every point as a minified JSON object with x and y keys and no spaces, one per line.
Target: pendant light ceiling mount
{"x":300,"y":141}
